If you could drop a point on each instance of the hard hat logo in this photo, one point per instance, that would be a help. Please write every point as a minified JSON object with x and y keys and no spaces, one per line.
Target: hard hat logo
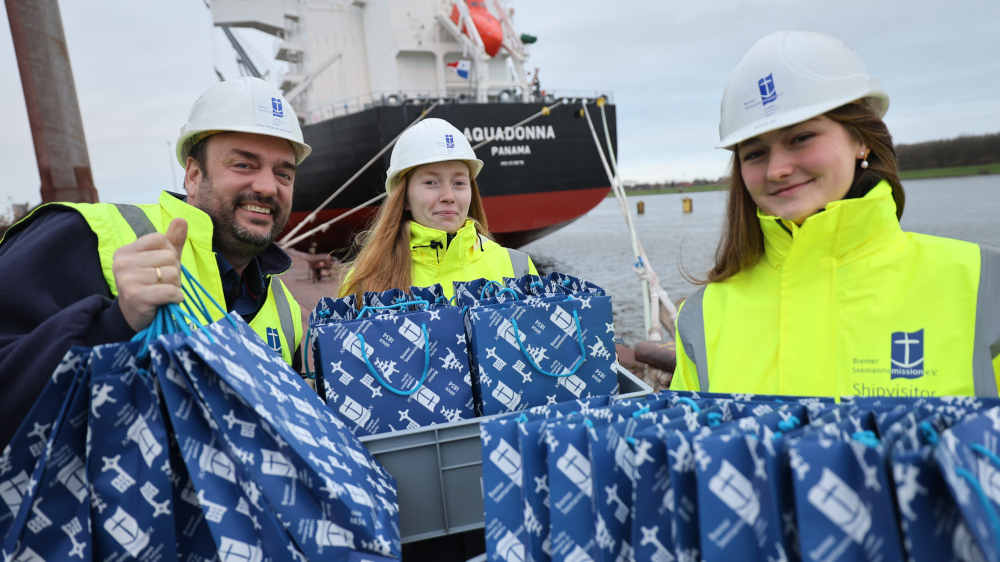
{"x":767,"y":92}
{"x":426,"y":142}
{"x":245,"y":105}
{"x":815,"y":73}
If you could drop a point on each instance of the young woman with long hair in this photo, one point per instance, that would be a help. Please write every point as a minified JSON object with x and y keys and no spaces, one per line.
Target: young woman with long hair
{"x":816,"y":290}
{"x":432,"y":227}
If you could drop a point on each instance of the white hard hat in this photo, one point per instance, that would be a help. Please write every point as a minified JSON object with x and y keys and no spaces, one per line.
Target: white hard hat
{"x":244,"y":105}
{"x":788,"y":77}
{"x":431,"y":140}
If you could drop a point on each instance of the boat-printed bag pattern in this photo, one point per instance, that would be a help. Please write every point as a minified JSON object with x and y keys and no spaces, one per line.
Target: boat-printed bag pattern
{"x":197,"y":446}
{"x":503,"y":504}
{"x":49,"y":498}
{"x":757,"y":478}
{"x":529,"y":350}
{"x":401,"y":362}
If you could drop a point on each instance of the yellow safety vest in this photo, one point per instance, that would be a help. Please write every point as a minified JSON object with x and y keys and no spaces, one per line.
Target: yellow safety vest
{"x":469,"y":256}
{"x":848,"y":305}
{"x":278,"y":321}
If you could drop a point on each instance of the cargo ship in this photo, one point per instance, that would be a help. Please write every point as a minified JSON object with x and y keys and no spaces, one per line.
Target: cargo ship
{"x":359,"y":72}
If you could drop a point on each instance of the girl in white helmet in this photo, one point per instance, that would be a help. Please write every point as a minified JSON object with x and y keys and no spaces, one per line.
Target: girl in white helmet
{"x":432,"y":227}
{"x":815,"y":289}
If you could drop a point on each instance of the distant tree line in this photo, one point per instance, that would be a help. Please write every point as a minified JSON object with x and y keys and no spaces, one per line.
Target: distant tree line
{"x":961,"y":151}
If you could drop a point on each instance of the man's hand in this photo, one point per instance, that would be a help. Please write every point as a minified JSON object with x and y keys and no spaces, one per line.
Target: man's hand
{"x":148,"y":274}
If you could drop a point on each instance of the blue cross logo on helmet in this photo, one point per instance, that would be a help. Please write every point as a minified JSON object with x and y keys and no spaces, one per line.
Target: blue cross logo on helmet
{"x":276,"y":108}
{"x":767,"y":91}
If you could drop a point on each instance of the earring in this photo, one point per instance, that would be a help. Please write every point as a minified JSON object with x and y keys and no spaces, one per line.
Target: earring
{"x":864,"y":160}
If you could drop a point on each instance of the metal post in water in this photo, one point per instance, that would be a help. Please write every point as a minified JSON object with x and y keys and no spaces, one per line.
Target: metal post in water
{"x":50,"y":95}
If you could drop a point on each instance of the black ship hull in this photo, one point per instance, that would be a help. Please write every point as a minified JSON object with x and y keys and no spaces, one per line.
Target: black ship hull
{"x":537,"y":177}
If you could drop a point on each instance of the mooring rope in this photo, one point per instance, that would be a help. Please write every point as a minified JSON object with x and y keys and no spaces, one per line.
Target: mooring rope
{"x":653,"y":294}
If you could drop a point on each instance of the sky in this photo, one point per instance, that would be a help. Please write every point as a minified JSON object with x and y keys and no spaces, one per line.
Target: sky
{"x":138,"y":67}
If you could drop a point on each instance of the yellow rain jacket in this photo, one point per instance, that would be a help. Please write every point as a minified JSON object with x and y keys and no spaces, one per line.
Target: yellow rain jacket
{"x":118,"y":225}
{"x":848,"y":305}
{"x":468,"y":256}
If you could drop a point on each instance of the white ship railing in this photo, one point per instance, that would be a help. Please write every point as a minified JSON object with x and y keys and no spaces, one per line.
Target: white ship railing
{"x":348,"y":106}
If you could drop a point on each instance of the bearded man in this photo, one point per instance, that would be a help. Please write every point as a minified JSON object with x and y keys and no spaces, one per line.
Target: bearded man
{"x":89,"y":274}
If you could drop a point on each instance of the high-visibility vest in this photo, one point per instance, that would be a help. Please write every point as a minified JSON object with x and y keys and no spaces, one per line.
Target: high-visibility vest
{"x":278,"y":321}
{"x":847,"y":304}
{"x":468,"y":256}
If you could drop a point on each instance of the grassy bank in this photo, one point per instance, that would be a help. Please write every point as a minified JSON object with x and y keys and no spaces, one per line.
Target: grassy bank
{"x":957,"y":171}
{"x":953,"y":172}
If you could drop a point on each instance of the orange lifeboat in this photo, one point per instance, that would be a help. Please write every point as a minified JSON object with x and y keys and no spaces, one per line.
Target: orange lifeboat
{"x":489,"y":28}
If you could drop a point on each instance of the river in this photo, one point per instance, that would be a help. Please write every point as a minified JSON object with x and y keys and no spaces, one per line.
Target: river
{"x":597,"y":247}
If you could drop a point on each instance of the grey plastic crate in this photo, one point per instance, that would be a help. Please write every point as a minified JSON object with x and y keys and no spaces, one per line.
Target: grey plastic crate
{"x":438,"y":471}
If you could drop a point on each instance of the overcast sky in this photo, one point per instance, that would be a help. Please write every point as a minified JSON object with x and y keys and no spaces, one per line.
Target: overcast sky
{"x":138,"y":66}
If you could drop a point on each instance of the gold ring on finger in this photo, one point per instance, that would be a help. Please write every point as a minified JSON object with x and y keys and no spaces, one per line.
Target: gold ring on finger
{"x":159,"y":276}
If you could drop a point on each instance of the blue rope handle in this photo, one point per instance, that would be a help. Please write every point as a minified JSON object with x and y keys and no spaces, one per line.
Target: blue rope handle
{"x":403,"y":304}
{"x":497,"y":292}
{"x":576,"y":364}
{"x":689,"y":402}
{"x":196,"y":284}
{"x":640,"y":411}
{"x":378,"y":377}
{"x":991,"y":512}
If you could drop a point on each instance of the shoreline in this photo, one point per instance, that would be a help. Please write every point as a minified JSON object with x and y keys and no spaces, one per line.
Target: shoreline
{"x":929,"y":173}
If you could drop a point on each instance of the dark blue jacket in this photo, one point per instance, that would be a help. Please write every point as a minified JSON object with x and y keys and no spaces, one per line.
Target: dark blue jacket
{"x":54,"y":297}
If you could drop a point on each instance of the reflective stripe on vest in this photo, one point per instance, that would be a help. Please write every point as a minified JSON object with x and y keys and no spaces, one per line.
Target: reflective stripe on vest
{"x":141,"y":225}
{"x":519,"y":262}
{"x":692,"y":334}
{"x":987,"y":346}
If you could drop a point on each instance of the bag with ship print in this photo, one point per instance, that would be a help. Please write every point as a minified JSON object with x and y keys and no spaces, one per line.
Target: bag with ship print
{"x":29,"y":443}
{"x":843,"y":501}
{"x":128,"y":460}
{"x":505,"y":514}
{"x":968,"y":455}
{"x":49,"y":498}
{"x":279,"y":448}
{"x":398,"y":365}
{"x":530,"y":350}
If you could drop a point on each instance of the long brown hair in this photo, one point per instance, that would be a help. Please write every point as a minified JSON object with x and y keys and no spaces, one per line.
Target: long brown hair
{"x":742,"y":242}
{"x":384,"y":260}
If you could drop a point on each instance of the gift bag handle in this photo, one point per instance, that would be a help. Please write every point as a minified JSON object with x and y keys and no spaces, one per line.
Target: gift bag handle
{"x":367,"y":309}
{"x":576,"y":364}
{"x":378,"y":377}
{"x":501,"y":290}
{"x":984,"y":499}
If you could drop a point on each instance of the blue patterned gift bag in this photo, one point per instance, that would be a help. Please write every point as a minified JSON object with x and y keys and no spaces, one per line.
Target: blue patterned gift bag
{"x":530,"y":350}
{"x":52,"y":508}
{"x":732,"y":521}
{"x":241,"y":519}
{"x":502,"y":513}
{"x":128,"y":464}
{"x":26,"y":447}
{"x":930,"y":522}
{"x":406,"y":366}
{"x":967,"y":455}
{"x":571,"y":494}
{"x":330,"y":494}
{"x":843,"y":502}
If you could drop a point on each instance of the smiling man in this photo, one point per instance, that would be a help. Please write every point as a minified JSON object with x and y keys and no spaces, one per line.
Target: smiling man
{"x":88,"y":274}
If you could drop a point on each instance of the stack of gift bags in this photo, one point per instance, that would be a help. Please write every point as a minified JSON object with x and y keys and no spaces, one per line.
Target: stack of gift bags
{"x":689,"y":476}
{"x":195,"y":441}
{"x":402,"y":360}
